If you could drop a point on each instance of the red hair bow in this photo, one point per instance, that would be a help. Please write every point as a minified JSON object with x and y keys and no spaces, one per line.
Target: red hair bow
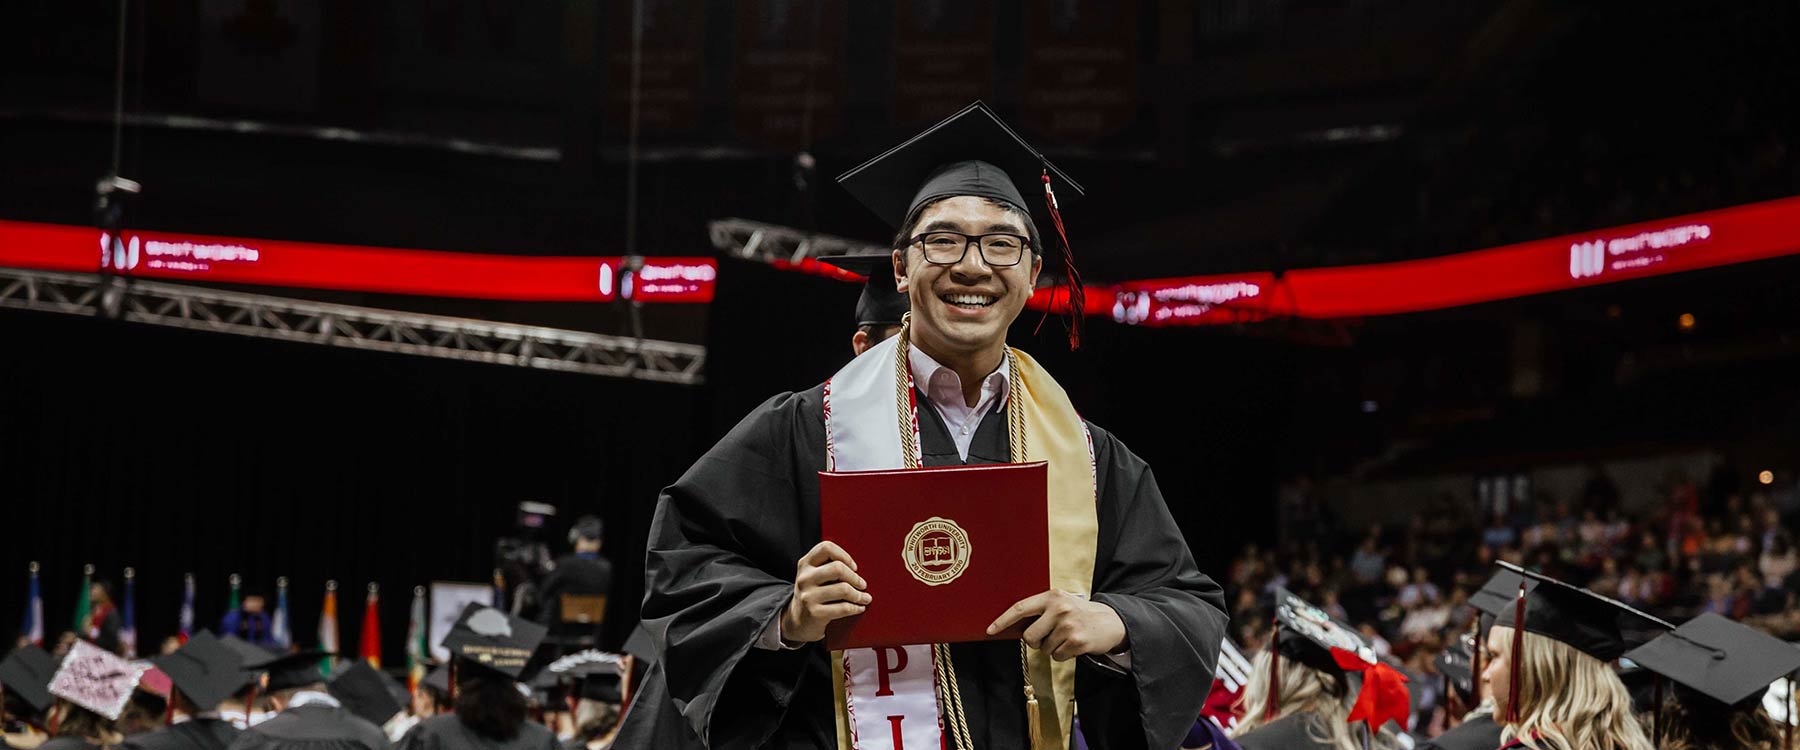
{"x":1383,"y":696}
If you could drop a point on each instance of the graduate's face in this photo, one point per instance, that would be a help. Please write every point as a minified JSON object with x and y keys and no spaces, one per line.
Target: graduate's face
{"x":967,"y":306}
{"x":1496,"y":678}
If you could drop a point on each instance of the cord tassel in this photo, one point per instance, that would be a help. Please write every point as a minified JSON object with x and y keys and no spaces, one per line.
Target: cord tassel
{"x":1273,"y":705}
{"x":1512,"y":664}
{"x":1031,"y":717}
{"x":1077,"y":293}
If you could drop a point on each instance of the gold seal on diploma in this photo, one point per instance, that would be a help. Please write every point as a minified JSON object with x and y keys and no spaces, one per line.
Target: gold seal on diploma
{"x":937,"y":551}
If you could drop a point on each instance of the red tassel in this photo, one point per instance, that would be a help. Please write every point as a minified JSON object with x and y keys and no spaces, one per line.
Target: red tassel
{"x":1077,"y":293}
{"x":1273,"y":704}
{"x":169,"y":709}
{"x":1512,"y":664}
{"x":450,"y":694}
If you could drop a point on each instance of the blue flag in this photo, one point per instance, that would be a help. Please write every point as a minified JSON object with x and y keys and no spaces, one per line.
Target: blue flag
{"x":278,"y":630}
{"x":33,"y":628}
{"x":128,"y":639}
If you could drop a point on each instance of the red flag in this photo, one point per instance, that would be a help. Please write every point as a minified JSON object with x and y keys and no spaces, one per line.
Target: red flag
{"x":370,"y":643}
{"x":1383,"y":696}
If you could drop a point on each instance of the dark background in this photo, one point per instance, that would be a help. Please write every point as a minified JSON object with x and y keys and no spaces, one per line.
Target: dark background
{"x":1219,"y":137}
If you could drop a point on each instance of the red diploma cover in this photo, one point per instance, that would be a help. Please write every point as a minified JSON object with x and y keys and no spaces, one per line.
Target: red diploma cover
{"x":944,"y":550}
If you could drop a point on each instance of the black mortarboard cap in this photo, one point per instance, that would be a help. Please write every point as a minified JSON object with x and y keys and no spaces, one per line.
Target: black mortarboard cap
{"x":248,"y":653}
{"x":365,"y":692}
{"x":970,"y":153}
{"x":205,"y":670}
{"x":438,"y":679}
{"x":1593,"y":624}
{"x":1725,"y":661}
{"x":1498,"y":595}
{"x":1457,"y":662}
{"x":492,"y":639}
{"x":880,"y":304}
{"x":289,"y":671}
{"x":1307,"y":634}
{"x":26,"y":672}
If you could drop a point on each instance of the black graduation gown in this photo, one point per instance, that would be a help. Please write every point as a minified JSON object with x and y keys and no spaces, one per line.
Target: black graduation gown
{"x":720,"y":568}
{"x":1286,"y":733}
{"x":198,"y":734}
{"x":447,"y":732}
{"x":313,"y":727}
{"x":67,"y":742}
{"x":1479,"y":733}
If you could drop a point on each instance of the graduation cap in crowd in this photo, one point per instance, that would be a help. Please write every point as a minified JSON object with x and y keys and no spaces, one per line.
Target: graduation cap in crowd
{"x":971,"y":153}
{"x":1725,"y":662}
{"x":881,"y":304}
{"x":96,"y":679}
{"x":597,"y":674}
{"x":26,"y":672}
{"x":1457,"y":664}
{"x":1498,"y":595}
{"x":365,"y":692}
{"x":1598,"y":626}
{"x":248,"y":653}
{"x":491,"y":639}
{"x":1308,"y":634}
{"x":205,"y":670}
{"x":438,"y":679}
{"x":289,"y":671}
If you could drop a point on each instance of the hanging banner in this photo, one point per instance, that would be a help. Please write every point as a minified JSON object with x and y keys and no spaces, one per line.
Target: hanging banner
{"x":943,"y":57}
{"x":670,"y":71}
{"x":1079,"y":74}
{"x":787,"y":75}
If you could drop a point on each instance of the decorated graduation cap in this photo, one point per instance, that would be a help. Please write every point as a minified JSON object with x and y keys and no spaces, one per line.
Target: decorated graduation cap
{"x":365,"y":692}
{"x":26,"y":672}
{"x":881,"y":304}
{"x":289,"y":671}
{"x":1727,"y":662}
{"x":205,"y":670}
{"x":491,"y":639}
{"x":598,"y":674}
{"x":1308,"y":634}
{"x":96,"y":679}
{"x":972,"y":153}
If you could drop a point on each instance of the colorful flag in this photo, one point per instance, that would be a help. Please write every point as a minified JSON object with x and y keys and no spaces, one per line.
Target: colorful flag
{"x":369,"y":643}
{"x":278,"y":628}
{"x":416,"y":645}
{"x":328,"y":629}
{"x":82,"y":604}
{"x":33,"y":629}
{"x":233,"y":602}
{"x":187,"y":608}
{"x":499,"y":589}
{"x":128,"y":616}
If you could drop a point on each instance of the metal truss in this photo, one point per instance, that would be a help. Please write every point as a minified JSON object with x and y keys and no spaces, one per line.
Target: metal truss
{"x":271,"y":317}
{"x":752,"y":240}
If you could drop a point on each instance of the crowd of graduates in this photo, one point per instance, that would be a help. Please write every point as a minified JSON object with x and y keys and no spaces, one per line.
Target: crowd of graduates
{"x":502,"y":686}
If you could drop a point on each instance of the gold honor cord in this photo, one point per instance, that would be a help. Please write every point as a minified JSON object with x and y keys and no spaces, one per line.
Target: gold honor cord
{"x":949,"y":693}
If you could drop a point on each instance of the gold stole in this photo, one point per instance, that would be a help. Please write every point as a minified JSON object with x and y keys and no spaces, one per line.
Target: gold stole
{"x":1054,"y":433}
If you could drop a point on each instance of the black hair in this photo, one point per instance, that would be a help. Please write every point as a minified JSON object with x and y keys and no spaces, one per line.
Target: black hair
{"x":489,"y":704}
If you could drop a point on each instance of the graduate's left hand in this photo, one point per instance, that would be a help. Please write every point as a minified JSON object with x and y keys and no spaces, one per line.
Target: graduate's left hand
{"x":1067,"y":625}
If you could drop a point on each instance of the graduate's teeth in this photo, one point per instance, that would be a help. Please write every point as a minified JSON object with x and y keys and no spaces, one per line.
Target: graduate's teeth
{"x":973,"y":300}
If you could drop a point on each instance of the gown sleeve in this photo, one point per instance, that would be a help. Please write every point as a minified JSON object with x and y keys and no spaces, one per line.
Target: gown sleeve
{"x":720,"y":566}
{"x":1174,"y":615}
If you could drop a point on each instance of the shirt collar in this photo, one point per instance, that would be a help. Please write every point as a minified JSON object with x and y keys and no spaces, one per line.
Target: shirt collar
{"x":928,"y":372}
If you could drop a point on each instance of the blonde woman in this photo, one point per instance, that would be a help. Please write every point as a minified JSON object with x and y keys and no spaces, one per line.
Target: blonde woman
{"x":1299,"y":694}
{"x":1552,"y":680}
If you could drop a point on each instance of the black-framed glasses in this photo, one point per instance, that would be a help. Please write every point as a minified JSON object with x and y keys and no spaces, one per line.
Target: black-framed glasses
{"x":998,"y":249}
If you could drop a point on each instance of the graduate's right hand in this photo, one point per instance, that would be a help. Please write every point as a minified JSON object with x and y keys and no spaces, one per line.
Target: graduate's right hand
{"x":826,"y":588}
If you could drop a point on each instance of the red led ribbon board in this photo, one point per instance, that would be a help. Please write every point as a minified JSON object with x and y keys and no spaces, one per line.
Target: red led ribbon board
{"x":234,"y":260}
{"x":1738,"y":234}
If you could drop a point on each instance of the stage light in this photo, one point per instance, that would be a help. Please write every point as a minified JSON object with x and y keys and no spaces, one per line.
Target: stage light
{"x":1686,"y":321}
{"x":1766,"y":477}
{"x":1370,"y":407}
